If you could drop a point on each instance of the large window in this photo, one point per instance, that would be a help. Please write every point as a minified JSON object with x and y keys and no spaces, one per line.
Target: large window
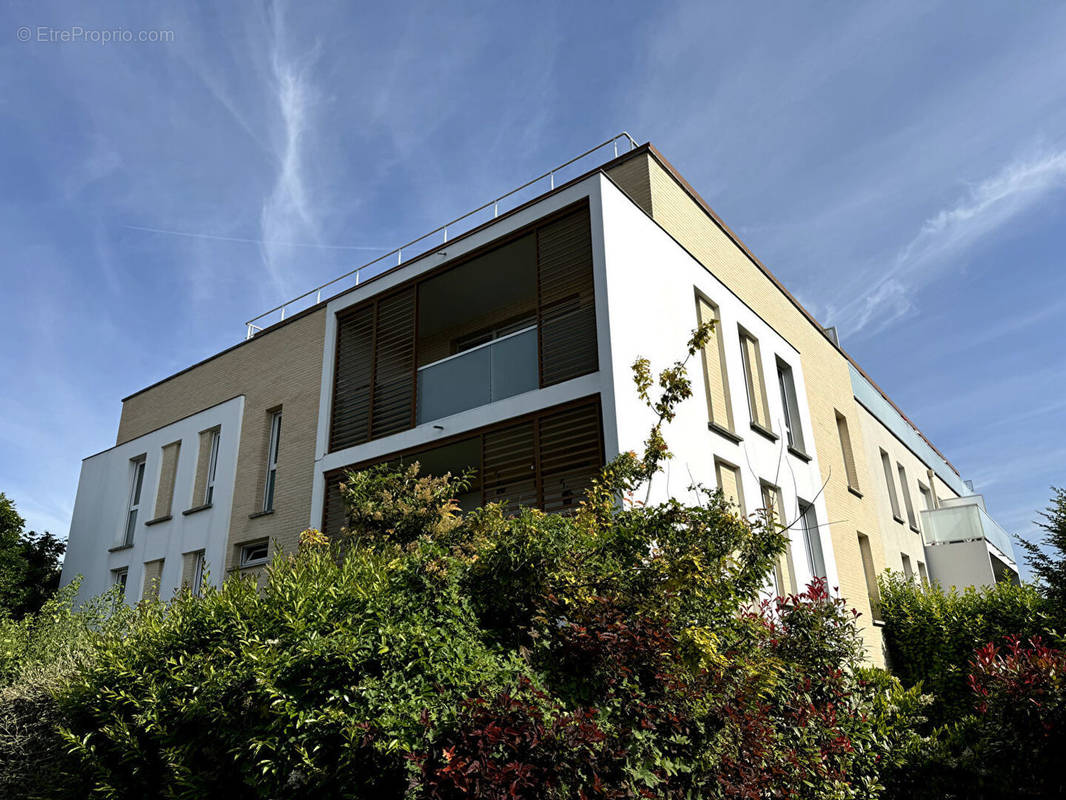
{"x":134,"y":504}
{"x":790,"y":407}
{"x":272,"y":460}
{"x":755,"y":382}
{"x":715,"y":379}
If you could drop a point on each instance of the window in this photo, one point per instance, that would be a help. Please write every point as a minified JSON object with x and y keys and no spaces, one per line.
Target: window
{"x":272,"y":460}
{"x":195,"y":564}
{"x":907,"y":570}
{"x":118,"y":578}
{"x":136,"y":484}
{"x":784,"y":573}
{"x":715,"y":380}
{"x":756,"y":385}
{"x":254,"y":553}
{"x":793,"y":430}
{"x":923,"y":574}
{"x":729,"y":482}
{"x":812,"y":541}
{"x":891,"y":484}
{"x":905,"y":489}
{"x":927,"y":497}
{"x":153,"y":576}
{"x":168,"y":471}
{"x":871,"y":577}
{"x":212,"y":468}
{"x":849,"y":456}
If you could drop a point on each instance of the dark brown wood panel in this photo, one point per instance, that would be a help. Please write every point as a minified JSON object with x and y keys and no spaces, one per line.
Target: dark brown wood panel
{"x":567,"y":303}
{"x":394,"y":364}
{"x":350,"y":423}
{"x":509,"y":467}
{"x":571,"y":454}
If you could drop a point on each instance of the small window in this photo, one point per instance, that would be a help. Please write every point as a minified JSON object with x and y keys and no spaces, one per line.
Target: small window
{"x":886,"y":463}
{"x":871,"y":577}
{"x":907,"y":570}
{"x":254,"y":553}
{"x":212,"y":468}
{"x":849,"y":455}
{"x":790,"y":407}
{"x":783,"y":576}
{"x":272,"y":461}
{"x":136,"y":484}
{"x":923,"y":574}
{"x":715,"y":380}
{"x":905,"y":489}
{"x":812,"y":540}
{"x":118,"y":578}
{"x":753,"y":379}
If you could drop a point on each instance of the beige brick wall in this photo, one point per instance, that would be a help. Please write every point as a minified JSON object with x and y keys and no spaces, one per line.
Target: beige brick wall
{"x":828,"y":380}
{"x":282,"y":367}
{"x":168,"y":470}
{"x":897,"y":538}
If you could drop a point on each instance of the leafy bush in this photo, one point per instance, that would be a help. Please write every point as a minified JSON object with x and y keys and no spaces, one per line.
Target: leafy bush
{"x":932,"y":634}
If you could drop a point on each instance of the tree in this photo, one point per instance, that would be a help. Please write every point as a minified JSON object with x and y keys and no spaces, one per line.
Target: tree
{"x":1051,"y":569}
{"x":29,"y":563}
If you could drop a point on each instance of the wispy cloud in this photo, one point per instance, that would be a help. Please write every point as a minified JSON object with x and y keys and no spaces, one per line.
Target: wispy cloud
{"x":288,"y":213}
{"x":945,"y":237}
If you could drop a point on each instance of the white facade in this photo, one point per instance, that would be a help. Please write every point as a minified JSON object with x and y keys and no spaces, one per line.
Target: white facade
{"x":96,"y":547}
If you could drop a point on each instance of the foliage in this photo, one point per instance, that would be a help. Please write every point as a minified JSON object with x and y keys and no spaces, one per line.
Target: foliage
{"x":29,"y":563}
{"x":621,"y":652}
{"x":1051,"y":569}
{"x":931,"y":634}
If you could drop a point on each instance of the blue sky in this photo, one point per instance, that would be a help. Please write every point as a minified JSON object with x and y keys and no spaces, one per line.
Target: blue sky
{"x":900,"y":166}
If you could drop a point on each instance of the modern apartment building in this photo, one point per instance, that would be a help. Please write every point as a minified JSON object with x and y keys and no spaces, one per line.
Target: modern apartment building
{"x":507,"y":347}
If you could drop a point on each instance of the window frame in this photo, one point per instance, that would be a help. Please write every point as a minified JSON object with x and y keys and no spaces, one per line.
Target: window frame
{"x":890,"y":484}
{"x":120,"y":577}
{"x":212,"y":467}
{"x":245,"y":562}
{"x":786,"y":380}
{"x":273,"y":444}
{"x":134,"y":498}
{"x":198,"y":564}
{"x":812,"y":540}
{"x":851,"y":469}
{"x":756,"y":392}
{"x":908,"y":503}
{"x":721,"y":419}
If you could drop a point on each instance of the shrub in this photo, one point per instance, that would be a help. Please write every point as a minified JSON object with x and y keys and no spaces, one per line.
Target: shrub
{"x":932,"y":634}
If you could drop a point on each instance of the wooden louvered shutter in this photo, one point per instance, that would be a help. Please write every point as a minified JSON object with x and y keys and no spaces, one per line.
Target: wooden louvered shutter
{"x":394,"y":365}
{"x":333,"y":514}
{"x":508,"y":466}
{"x":350,"y":423}
{"x":567,"y":312}
{"x":571,"y":455}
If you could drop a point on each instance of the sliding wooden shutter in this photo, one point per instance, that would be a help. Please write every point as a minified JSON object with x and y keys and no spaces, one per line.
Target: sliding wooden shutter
{"x":571,"y":454}
{"x":374,"y":385}
{"x":333,"y":515}
{"x":350,"y":424}
{"x":394,"y":365}
{"x":567,"y":305}
{"x":509,"y":466}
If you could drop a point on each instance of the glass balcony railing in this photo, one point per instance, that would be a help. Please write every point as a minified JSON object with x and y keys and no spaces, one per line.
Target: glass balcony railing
{"x":492,"y":371}
{"x":962,"y":523}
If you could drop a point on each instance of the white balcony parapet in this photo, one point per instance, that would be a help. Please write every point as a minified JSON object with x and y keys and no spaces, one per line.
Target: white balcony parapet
{"x":457,"y":226}
{"x":963,"y":523}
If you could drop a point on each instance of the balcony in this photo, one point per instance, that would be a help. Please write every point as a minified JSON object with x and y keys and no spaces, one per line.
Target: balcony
{"x":965,"y":525}
{"x":483,"y":374}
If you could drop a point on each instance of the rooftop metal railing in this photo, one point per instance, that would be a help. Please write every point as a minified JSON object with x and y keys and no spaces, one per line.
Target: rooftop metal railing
{"x":462,"y":224}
